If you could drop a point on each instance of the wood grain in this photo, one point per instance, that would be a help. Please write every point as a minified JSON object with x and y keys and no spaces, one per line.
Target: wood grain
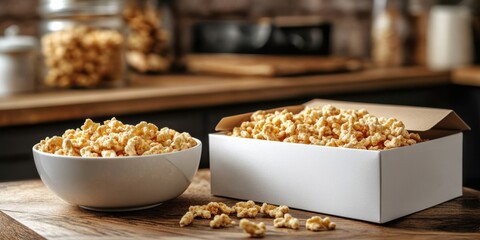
{"x":164,"y":92}
{"x":29,"y":210}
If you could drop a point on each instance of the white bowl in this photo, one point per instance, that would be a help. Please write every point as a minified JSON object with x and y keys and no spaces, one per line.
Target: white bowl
{"x":118,"y":183}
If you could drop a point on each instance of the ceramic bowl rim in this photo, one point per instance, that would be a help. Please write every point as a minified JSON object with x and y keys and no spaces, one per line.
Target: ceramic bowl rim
{"x":80,"y":158}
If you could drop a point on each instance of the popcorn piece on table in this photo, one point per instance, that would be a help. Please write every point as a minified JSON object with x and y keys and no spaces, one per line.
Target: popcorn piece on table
{"x":219,"y":207}
{"x":286,"y":222}
{"x":212,"y":208}
{"x":187,"y":219}
{"x":255,"y":230}
{"x":200,"y":211}
{"x":246,"y":209}
{"x":316,"y":223}
{"x":274,"y":211}
{"x":222,"y":220}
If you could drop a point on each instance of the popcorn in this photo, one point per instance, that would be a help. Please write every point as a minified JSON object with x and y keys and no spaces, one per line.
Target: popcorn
{"x":82,"y":56}
{"x":217,"y":207}
{"x":255,"y":230}
{"x":316,"y":223}
{"x":274,"y":211}
{"x":187,"y":219}
{"x":115,"y":139}
{"x":200,"y":212}
{"x":148,"y":44}
{"x":221,"y":221}
{"x":328,"y":126}
{"x":246,"y":209}
{"x":212,"y":208}
{"x":283,"y":218}
{"x":286,"y":222}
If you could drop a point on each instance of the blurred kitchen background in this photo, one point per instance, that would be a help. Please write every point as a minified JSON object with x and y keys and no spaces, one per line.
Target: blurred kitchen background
{"x":136,"y":55}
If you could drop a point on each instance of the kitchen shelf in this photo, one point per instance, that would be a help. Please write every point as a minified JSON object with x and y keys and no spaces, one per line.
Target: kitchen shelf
{"x":469,"y":76}
{"x":147,"y":93}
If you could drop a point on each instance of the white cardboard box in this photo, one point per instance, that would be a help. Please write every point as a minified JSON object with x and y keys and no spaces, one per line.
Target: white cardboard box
{"x":375,"y":186}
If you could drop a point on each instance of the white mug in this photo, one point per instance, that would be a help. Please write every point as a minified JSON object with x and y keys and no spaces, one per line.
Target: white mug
{"x":449,"y":37}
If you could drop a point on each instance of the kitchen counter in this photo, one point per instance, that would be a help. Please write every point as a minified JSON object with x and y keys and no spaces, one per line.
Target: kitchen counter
{"x":28,"y":210}
{"x":467,"y":76}
{"x":147,"y":93}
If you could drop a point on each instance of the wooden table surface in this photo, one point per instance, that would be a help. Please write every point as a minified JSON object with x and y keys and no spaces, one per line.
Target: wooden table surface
{"x":147,"y":93}
{"x":28,"y":210}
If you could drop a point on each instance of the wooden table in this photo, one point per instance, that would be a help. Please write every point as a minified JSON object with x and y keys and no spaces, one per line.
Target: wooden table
{"x":30,"y":211}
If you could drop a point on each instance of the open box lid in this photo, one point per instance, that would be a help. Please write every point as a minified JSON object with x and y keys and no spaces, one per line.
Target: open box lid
{"x":415,"y":118}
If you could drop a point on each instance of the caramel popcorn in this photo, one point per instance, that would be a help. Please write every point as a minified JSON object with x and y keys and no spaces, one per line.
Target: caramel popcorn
{"x":282,"y":218}
{"x":222,"y":220}
{"x":328,"y":126}
{"x":287,"y":221}
{"x":255,"y":230}
{"x":148,"y":45}
{"x":187,"y":219}
{"x":274,"y":211}
{"x":115,"y":139}
{"x":197,"y":211}
{"x":212,"y":208}
{"x":316,"y":223}
{"x":82,"y":56}
{"x":246,"y":209}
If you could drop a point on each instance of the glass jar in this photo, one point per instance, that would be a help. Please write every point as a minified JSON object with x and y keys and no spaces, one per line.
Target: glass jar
{"x":18,"y":55}
{"x":82,"y":43}
{"x":390,"y":33}
{"x":150,"y":28}
{"x":419,"y":11}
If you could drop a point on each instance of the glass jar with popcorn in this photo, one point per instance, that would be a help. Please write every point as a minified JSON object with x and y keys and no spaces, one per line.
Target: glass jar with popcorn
{"x":149,"y":44}
{"x":82,"y":43}
{"x":390,"y":33}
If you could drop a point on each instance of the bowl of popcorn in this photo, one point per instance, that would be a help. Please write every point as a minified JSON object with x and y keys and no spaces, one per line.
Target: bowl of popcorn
{"x":117,"y":167}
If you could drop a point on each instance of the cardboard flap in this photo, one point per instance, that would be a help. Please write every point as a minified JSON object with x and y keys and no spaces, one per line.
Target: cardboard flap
{"x":415,"y":118}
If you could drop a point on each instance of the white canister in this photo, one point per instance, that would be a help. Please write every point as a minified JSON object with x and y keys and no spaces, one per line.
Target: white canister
{"x":18,"y":56}
{"x":449,"y":38}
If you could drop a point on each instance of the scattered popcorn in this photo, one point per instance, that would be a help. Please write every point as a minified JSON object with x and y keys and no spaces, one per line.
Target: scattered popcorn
{"x":282,"y":218}
{"x":212,"y":208}
{"x":219,"y":207}
{"x":115,"y":139}
{"x":274,"y":211}
{"x":286,"y":222}
{"x":187,"y":219}
{"x":316,"y":223}
{"x":246,"y":209}
{"x":82,"y":56}
{"x":255,"y":230}
{"x":222,"y":220}
{"x":328,"y":126}
{"x":199,"y":211}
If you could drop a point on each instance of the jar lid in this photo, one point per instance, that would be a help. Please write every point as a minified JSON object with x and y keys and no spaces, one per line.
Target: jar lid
{"x":62,"y":8}
{"x":15,"y":43}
